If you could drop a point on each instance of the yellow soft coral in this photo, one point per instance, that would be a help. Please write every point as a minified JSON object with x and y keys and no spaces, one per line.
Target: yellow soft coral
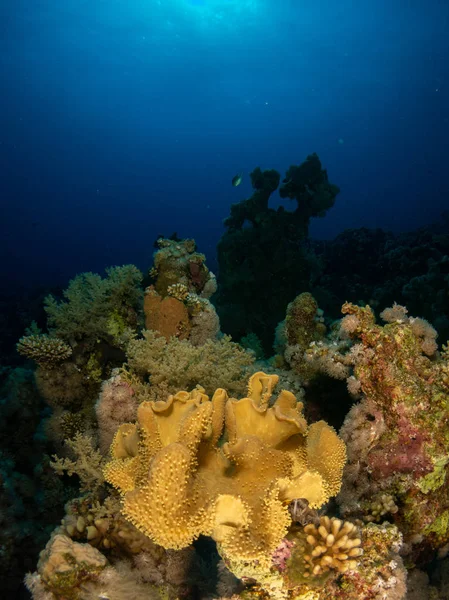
{"x":223,"y":467}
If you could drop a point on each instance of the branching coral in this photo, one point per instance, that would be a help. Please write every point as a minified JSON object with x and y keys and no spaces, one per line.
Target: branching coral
{"x":334,"y":544}
{"x":94,"y":307}
{"x":177,"y":364}
{"x":45,"y":350}
{"x":87,"y":465}
{"x":380,"y":573}
{"x":177,"y":483}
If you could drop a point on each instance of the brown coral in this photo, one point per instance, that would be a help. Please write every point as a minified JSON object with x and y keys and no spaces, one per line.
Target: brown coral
{"x":179,"y":482}
{"x":168,"y":316}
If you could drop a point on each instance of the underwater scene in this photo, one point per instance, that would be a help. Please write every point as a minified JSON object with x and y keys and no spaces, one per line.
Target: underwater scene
{"x":224,"y":300}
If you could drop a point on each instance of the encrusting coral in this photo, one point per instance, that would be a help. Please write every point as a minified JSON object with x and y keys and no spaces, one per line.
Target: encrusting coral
{"x":63,"y":566}
{"x":177,"y":263}
{"x":397,"y":435}
{"x":303,"y":325}
{"x":178,"y":483}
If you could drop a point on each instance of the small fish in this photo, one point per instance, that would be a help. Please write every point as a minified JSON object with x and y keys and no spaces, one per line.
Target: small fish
{"x":237,"y":179}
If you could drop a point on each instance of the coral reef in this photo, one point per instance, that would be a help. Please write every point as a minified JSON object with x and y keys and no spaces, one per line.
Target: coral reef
{"x":303,"y":325}
{"x":397,"y":435}
{"x":410,"y":268}
{"x":224,"y":490}
{"x":177,"y":304}
{"x":264,"y":245}
{"x":178,"y":267}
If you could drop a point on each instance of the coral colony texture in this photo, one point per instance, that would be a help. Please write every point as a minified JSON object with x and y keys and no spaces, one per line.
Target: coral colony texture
{"x":166,"y":460}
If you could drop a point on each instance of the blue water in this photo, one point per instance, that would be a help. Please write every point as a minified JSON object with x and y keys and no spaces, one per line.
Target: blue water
{"x":122,"y":120}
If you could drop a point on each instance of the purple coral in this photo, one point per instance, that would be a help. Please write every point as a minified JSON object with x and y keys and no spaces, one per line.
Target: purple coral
{"x":282,"y":554}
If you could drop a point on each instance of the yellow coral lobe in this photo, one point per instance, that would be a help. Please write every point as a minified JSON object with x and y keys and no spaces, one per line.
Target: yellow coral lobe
{"x":125,"y":442}
{"x":245,"y":419}
{"x":219,"y":400}
{"x":122,"y":474}
{"x":230,"y":513}
{"x":326,"y":454}
{"x":164,"y":420}
{"x":310,"y":486}
{"x":260,"y":387}
{"x":168,"y":492}
{"x":251,"y":416}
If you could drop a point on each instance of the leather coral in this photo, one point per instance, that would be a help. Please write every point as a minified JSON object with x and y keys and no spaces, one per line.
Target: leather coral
{"x":223,"y":467}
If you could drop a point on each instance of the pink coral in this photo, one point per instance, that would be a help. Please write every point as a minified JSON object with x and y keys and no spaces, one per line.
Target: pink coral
{"x":116,"y":405}
{"x":282,"y":554}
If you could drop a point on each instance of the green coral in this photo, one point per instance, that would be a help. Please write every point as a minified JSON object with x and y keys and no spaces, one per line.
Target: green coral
{"x":93,"y":369}
{"x":434,"y":480}
{"x":91,"y":302}
{"x":440,"y":526}
{"x":174,"y":364}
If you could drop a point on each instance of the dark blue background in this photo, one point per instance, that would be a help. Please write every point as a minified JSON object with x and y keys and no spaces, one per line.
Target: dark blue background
{"x":124,"y":119}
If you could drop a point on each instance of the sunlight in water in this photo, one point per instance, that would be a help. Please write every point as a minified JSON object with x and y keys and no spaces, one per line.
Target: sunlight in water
{"x":217,"y":20}
{"x":215,"y":11}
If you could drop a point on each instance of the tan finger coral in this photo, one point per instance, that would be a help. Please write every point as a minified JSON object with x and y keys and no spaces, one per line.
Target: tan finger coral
{"x":333,"y":544}
{"x":224,"y":468}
